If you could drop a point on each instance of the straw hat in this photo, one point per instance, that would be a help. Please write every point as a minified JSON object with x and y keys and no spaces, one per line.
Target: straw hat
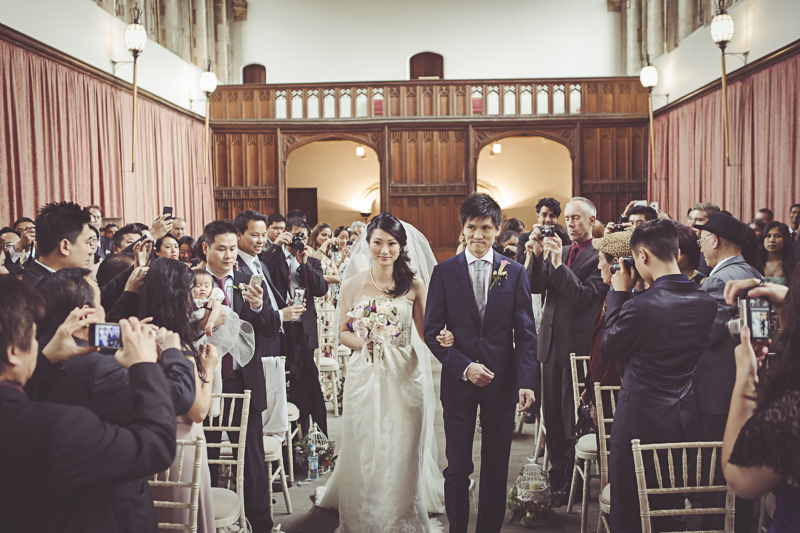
{"x":615,"y":244}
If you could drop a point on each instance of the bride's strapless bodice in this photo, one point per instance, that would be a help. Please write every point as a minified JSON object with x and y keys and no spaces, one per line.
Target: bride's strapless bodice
{"x":405,"y":308}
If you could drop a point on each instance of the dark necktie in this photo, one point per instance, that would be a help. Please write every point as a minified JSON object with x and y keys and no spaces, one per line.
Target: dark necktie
{"x":227,"y":360}
{"x":573,"y":253}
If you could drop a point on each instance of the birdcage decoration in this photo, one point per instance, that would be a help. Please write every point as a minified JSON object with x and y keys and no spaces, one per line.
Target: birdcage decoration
{"x":530,"y":499}
{"x":324,"y":448}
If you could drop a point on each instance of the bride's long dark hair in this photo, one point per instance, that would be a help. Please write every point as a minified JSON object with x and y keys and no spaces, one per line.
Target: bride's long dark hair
{"x":402,"y":273}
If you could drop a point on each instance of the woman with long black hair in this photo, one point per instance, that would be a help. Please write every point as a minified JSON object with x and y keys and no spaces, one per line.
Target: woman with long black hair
{"x":777,"y":253}
{"x":166,"y":296}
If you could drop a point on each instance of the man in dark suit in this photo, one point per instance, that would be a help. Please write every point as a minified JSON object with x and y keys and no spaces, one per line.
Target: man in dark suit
{"x":252,"y":227}
{"x":570,"y":280}
{"x":63,"y":240}
{"x":291,"y":268}
{"x":220,"y":248}
{"x":486,"y":303}
{"x":656,"y":338}
{"x":722,"y":239}
{"x":62,"y":459}
{"x":547,"y":212}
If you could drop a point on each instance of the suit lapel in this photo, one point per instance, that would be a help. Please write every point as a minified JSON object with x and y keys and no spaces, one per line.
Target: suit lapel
{"x":462,"y":273}
{"x":583,"y":256}
{"x":492,"y":297}
{"x":244,"y":268}
{"x":238,"y":301}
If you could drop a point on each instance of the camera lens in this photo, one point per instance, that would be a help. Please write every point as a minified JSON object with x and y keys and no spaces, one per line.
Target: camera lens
{"x":547,"y":231}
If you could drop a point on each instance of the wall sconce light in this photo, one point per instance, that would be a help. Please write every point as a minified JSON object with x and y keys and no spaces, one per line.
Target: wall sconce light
{"x":496,"y":148}
{"x":722,"y":28}
{"x":208,"y":84}
{"x":135,"y":41}
{"x":365,"y":215}
{"x":361,"y":151}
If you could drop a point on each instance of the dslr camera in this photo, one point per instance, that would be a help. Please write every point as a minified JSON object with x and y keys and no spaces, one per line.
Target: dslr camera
{"x":627,"y":262}
{"x":755,"y":313}
{"x":334,"y":247}
{"x":547,"y":231}
{"x":297,"y":242}
{"x":618,"y":227}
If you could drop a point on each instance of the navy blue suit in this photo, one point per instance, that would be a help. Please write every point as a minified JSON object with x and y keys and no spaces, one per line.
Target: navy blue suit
{"x":505,"y":342}
{"x":658,"y":338}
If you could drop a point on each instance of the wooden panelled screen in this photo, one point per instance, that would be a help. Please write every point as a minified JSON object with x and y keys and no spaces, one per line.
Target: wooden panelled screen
{"x":427,"y":65}
{"x":428,"y":134}
{"x":254,"y":73}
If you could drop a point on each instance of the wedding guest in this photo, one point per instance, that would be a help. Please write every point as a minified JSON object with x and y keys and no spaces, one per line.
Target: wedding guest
{"x":758,"y":226}
{"x":639,"y":214}
{"x":794,"y":222}
{"x":187,"y":246}
{"x":570,"y":281}
{"x":24,"y":251}
{"x":166,"y":297}
{"x":322,"y":241}
{"x":64,"y":240}
{"x":763,"y":429}
{"x":276,"y":224}
{"x":99,"y":383}
{"x":358,"y":226}
{"x":340,"y":257}
{"x":766,"y":215}
{"x":66,"y":455}
{"x":112,"y":266}
{"x":110,"y":230}
{"x":547,"y":212}
{"x":512,"y":224}
{"x":220,"y":249}
{"x":107,"y":238}
{"x":776,"y":253}
{"x":699,"y":214}
{"x":598,"y":229}
{"x":722,"y":239}
{"x":179,"y":228}
{"x":167,"y":246}
{"x":126,"y":236}
{"x":506,"y":244}
{"x":689,"y":254}
{"x":658,"y":336}
{"x":8,"y":238}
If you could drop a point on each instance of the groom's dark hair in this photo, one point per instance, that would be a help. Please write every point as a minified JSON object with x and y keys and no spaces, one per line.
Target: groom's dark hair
{"x":479,"y":205}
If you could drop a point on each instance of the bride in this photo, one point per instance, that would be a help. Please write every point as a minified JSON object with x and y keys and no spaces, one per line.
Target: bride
{"x":386,"y":476}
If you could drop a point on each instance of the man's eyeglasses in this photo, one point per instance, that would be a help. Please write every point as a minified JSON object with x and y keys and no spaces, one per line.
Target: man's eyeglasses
{"x":700,"y":241}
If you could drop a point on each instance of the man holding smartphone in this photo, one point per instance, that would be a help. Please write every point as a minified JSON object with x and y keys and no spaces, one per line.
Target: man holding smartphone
{"x":252,"y":227}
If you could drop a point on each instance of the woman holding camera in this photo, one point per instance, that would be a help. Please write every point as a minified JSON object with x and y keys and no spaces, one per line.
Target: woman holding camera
{"x":761,"y":449}
{"x":324,"y":244}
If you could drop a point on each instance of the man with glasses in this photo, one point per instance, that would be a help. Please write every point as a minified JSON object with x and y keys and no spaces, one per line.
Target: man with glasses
{"x":23,"y":252}
{"x":722,"y":238}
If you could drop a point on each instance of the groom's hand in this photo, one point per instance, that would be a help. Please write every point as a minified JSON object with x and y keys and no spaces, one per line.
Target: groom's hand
{"x":479,"y":374}
{"x":526,"y":399}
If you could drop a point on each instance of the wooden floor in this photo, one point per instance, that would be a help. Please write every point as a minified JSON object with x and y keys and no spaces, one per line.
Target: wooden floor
{"x":307,"y":518}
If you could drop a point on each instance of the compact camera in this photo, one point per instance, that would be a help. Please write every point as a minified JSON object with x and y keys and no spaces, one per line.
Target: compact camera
{"x":755,"y":313}
{"x":106,"y":337}
{"x":618,"y":227}
{"x":547,"y":231}
{"x":630,"y":266}
{"x":334,"y":248}
{"x":298,"y":243}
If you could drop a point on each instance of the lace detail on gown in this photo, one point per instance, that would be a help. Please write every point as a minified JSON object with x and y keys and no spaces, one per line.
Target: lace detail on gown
{"x":376,"y":485}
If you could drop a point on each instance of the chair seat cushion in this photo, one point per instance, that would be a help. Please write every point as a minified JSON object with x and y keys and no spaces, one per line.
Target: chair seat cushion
{"x":226,"y":506}
{"x":605,"y":495}
{"x":272,"y":448}
{"x":343,"y":350}
{"x":587,"y":445}
{"x":328,"y":363}
{"x":294,"y":412}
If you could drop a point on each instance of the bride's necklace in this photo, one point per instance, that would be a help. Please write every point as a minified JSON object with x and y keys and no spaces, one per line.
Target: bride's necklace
{"x":387,"y":291}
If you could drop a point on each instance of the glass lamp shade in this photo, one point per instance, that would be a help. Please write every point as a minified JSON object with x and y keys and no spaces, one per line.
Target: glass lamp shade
{"x":135,"y":37}
{"x":360,"y":151}
{"x":722,"y":28}
{"x":497,"y":148}
{"x":208,"y":82}
{"x":649,"y":77}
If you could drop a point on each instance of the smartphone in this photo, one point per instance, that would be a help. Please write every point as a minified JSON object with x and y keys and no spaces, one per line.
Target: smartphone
{"x":299,"y":296}
{"x":654,"y":205}
{"x":256,"y":279}
{"x":349,"y":243}
{"x":641,"y":202}
{"x":167,"y":211}
{"x":106,"y":336}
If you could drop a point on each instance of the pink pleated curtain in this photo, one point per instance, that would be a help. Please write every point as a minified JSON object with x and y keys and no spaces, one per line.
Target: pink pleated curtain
{"x":763,"y":115}
{"x":67,"y":136}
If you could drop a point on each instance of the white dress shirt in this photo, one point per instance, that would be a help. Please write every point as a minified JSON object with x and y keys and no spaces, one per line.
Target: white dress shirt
{"x":294,"y":278}
{"x":489,"y":256}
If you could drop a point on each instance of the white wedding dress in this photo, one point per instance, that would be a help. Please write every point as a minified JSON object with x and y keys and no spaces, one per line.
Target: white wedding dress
{"x":386,"y":478}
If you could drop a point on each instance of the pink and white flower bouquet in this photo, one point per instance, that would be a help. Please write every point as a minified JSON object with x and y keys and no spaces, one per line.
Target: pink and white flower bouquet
{"x":375,"y":320}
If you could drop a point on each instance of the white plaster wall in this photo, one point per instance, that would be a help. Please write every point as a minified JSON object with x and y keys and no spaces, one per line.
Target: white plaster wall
{"x":761,"y":27}
{"x":526,"y":170}
{"x":366,"y":40}
{"x":85,"y":31}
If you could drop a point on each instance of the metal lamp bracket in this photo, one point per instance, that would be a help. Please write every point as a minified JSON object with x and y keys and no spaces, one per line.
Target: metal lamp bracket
{"x":740,"y":55}
{"x":117,"y":64}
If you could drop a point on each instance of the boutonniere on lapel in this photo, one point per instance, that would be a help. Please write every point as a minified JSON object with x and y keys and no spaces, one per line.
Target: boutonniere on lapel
{"x":241,"y":288}
{"x":499,"y":275}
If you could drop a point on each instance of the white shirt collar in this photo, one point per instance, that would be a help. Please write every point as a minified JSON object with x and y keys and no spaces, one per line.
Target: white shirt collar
{"x":45,"y":266}
{"x":249,"y":259}
{"x":488,"y":257}
{"x":722,"y":262}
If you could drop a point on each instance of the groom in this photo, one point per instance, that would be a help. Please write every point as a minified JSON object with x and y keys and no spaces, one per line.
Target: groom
{"x":486,"y":303}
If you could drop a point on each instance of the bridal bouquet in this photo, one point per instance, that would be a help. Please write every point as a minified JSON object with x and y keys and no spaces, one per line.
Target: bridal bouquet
{"x":375,"y":320}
